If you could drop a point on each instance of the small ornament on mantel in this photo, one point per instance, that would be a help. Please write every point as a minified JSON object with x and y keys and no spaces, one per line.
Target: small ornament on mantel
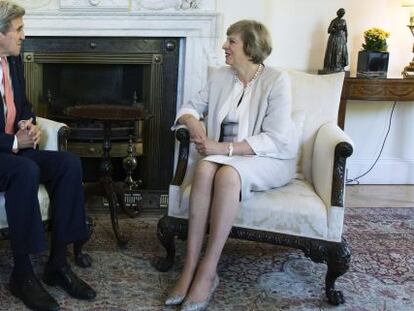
{"x":190,"y":4}
{"x":336,"y":54}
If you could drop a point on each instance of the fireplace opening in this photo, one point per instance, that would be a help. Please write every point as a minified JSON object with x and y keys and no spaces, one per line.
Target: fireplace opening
{"x":69,"y":71}
{"x":77,"y":85}
{"x":68,"y":85}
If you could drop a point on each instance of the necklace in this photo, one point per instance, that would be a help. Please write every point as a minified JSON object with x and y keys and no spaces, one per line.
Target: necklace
{"x":259,"y":69}
{"x":256,"y":74}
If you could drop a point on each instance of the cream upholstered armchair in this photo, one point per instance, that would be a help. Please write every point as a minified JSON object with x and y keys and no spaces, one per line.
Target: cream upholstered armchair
{"x":308,"y":213}
{"x":54,"y":137}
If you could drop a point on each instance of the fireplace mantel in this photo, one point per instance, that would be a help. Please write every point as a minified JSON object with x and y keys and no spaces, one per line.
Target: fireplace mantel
{"x":195,"y":21}
{"x":120,"y":5}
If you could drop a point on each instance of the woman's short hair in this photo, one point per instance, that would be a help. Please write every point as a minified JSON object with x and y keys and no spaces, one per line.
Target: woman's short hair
{"x":257,"y":43}
{"x":8,"y":12}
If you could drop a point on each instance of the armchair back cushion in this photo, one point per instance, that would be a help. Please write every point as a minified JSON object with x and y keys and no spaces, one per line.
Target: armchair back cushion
{"x":316,"y":97}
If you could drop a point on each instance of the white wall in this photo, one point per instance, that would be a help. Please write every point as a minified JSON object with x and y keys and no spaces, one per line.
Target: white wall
{"x":299,"y":31}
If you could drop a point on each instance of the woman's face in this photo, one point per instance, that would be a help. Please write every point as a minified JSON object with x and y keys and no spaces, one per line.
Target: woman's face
{"x":233,"y":49}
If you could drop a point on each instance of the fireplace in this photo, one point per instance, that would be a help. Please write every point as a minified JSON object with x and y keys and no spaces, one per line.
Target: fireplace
{"x":193,"y":27}
{"x":128,"y":71}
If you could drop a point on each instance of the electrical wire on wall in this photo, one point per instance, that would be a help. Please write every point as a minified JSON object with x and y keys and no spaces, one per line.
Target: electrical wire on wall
{"x":355,"y":181}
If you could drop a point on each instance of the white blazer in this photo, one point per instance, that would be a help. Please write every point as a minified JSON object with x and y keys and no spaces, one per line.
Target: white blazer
{"x":271,"y":130}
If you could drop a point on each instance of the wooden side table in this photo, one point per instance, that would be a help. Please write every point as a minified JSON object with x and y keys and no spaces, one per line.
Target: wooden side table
{"x":374,"y":90}
{"x":114,"y":193}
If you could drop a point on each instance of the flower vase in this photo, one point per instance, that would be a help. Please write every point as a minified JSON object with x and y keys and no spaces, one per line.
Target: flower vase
{"x":372,"y":64}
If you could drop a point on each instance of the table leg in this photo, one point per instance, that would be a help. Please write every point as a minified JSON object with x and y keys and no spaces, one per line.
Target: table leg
{"x":108,"y":185}
{"x":113,"y":202}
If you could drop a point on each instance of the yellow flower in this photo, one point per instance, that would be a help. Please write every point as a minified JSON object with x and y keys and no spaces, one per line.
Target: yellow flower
{"x":375,"y":39}
{"x":376,"y":33}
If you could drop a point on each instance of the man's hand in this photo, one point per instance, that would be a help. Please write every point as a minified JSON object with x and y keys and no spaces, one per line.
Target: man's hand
{"x":24,"y":141}
{"x":28,"y":135}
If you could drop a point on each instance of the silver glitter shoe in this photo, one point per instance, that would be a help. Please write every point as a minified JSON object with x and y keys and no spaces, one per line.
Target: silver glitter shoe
{"x":202,"y":305}
{"x":174,"y":300}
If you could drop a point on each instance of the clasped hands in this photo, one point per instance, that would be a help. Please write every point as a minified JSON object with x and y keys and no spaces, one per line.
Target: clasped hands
{"x":204,"y":146}
{"x":28,"y":135}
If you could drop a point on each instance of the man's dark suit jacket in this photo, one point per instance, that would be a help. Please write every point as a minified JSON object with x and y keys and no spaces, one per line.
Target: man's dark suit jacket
{"x":23,"y":107}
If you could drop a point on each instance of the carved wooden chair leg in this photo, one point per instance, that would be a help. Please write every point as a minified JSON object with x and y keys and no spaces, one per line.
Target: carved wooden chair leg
{"x":339,"y":257}
{"x":81,"y":259}
{"x":166,"y":235}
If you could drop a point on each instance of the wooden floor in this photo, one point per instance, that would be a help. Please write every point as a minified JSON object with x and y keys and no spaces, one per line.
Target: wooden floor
{"x":379,"y":196}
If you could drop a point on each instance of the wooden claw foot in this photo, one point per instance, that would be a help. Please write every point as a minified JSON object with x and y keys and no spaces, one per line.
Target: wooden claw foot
{"x":166,"y":235}
{"x":122,"y":241}
{"x":339,"y":257}
{"x":81,"y":259}
{"x":162,"y":264}
{"x":335,"y":297}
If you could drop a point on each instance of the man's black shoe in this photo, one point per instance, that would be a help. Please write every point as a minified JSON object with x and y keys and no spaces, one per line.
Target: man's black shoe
{"x":66,"y":279}
{"x":31,"y":292}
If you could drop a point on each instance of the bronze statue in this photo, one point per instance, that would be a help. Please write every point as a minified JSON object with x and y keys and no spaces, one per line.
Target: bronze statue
{"x":336,"y":55}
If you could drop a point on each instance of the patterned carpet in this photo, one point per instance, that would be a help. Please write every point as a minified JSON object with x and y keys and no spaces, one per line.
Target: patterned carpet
{"x":253,"y":276}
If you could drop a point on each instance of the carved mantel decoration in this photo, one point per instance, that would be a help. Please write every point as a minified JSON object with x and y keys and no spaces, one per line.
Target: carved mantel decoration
{"x":91,"y":4}
{"x":169,"y":4}
{"x":118,"y":5}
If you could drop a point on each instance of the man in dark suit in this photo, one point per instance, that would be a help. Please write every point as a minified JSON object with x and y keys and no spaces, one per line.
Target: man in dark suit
{"x":22,"y":168}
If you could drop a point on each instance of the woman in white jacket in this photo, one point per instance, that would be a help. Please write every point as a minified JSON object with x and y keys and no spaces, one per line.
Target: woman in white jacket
{"x":241,"y":123}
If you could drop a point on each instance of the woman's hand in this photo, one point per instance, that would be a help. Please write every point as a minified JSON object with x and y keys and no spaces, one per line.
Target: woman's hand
{"x":210,"y":147}
{"x":195,"y":127}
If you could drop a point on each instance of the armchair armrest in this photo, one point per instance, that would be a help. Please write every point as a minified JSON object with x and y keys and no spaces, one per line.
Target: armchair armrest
{"x":54,"y":134}
{"x":332,"y":147}
{"x":183,"y":137}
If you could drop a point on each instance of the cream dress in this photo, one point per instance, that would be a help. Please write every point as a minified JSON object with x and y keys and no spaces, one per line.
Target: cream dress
{"x":257,"y":173}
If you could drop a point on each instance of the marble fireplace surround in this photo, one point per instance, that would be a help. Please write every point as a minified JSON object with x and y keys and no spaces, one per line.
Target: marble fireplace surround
{"x":195,"y":21}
